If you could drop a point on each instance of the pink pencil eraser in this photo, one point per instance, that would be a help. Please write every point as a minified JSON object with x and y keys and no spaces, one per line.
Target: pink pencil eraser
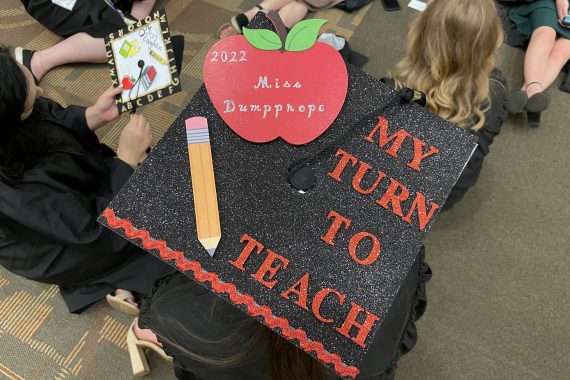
{"x":196,"y":122}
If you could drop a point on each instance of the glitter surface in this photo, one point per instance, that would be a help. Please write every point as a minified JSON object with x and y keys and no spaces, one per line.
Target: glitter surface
{"x":256,"y":198}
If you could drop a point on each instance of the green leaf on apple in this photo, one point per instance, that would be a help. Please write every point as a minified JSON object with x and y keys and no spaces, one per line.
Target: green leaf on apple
{"x":303,"y":35}
{"x":262,"y":39}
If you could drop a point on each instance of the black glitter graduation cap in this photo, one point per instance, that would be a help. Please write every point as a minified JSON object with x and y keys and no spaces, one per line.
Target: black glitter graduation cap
{"x":322,"y":266}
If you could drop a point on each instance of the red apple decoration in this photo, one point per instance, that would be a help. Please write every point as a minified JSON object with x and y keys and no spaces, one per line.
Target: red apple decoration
{"x":127,"y":83}
{"x":265,"y":88}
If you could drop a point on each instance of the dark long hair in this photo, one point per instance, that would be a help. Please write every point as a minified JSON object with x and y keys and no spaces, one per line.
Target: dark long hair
{"x":21,"y":144}
{"x":285,"y":361}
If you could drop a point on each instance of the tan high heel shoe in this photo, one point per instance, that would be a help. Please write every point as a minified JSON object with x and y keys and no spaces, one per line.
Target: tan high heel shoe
{"x":137,"y":352}
{"x":118,"y":301}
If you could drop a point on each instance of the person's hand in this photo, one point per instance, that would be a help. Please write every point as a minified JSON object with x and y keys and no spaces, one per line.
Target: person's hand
{"x":104,"y":110}
{"x":134,"y":140}
{"x":562,"y":8}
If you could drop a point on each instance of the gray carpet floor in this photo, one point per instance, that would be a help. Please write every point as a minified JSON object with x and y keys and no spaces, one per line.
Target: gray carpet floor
{"x":499,"y":299}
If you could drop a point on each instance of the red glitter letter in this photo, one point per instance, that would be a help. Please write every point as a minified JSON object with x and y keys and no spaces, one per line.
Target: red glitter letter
{"x":303,"y":284}
{"x":420,"y":204}
{"x":266,"y":268}
{"x":337,"y":223}
{"x":357,"y":179}
{"x":247,"y":250}
{"x":419,"y":155}
{"x":346,"y":158}
{"x":391,"y":196}
{"x":383,"y":138}
{"x":363,"y":329}
{"x":374,"y":252}
{"x":318,"y":300}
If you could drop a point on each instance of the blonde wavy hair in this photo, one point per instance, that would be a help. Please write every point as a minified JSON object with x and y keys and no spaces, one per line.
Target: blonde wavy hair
{"x":451,"y":52}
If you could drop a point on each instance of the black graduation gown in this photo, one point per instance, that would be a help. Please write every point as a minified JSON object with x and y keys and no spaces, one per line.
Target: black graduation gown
{"x":93,"y":17}
{"x":181,"y":309}
{"x":494,"y":118}
{"x":48,"y":220}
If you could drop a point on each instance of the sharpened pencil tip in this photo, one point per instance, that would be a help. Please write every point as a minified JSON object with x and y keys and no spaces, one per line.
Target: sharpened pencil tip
{"x":210,"y":244}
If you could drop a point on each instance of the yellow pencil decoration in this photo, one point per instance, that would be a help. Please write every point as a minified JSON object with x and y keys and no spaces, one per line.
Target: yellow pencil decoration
{"x":203,"y":183}
{"x":156,"y":56}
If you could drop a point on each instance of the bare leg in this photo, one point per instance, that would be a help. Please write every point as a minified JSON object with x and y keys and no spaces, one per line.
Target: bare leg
{"x":267,"y":5}
{"x":558,"y":57}
{"x":146,"y":335}
{"x":292,"y":13}
{"x":141,"y":9}
{"x":80,"y":47}
{"x":538,"y":52}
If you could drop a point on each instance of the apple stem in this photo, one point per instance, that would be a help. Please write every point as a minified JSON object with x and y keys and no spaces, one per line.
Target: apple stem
{"x":279,"y":28}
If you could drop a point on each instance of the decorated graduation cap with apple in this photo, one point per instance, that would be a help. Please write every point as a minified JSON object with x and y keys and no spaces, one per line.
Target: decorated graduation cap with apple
{"x":142,"y":59}
{"x":321,"y":263}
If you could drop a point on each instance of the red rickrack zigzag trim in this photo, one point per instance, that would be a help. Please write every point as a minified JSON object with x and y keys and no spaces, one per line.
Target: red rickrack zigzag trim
{"x":235,"y":296}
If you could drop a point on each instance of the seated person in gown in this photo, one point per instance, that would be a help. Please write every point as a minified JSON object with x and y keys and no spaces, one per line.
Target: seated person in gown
{"x":210,"y":339}
{"x":458,"y":75}
{"x":55,"y":180}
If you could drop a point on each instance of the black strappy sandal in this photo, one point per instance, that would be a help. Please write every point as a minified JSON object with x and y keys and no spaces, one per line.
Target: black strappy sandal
{"x":24,"y":57}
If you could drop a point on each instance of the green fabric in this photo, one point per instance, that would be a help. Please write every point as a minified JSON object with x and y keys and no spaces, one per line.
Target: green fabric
{"x":531,"y":16}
